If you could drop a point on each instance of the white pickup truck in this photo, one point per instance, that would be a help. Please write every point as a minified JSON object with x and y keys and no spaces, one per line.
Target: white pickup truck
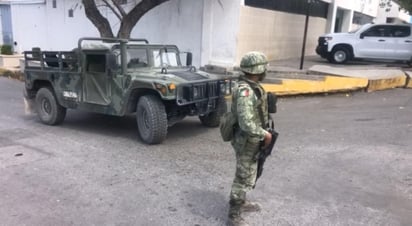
{"x":370,"y":41}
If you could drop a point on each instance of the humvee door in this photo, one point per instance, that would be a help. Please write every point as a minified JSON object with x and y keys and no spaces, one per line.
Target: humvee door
{"x":97,"y":81}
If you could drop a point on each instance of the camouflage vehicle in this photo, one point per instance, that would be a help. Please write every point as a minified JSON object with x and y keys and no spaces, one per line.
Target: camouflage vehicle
{"x":119,"y":77}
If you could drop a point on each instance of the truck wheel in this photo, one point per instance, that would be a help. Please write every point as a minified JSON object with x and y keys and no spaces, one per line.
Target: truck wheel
{"x":340,"y":55}
{"x":151,"y":119}
{"x":49,"y":111}
{"x":213,"y":118}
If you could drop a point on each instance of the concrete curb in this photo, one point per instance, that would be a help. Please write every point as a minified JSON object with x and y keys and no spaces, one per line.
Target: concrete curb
{"x":377,"y":79}
{"x":327,"y":79}
{"x":328,"y":85}
{"x":386,"y":83}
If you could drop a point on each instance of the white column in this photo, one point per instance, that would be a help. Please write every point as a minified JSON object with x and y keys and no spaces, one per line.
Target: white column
{"x":333,"y":8}
{"x":207,"y":31}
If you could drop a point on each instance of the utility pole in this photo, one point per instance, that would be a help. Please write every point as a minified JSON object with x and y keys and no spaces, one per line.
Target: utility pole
{"x":302,"y":57}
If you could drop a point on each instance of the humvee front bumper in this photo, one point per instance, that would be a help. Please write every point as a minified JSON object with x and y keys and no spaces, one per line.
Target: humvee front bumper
{"x":205,"y":91}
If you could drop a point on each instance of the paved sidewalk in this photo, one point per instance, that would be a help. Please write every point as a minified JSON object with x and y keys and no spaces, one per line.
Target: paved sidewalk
{"x":319,"y":76}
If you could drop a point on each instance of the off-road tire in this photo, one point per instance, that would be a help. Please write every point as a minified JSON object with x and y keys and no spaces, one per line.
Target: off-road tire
{"x":339,"y":55}
{"x":151,"y":119}
{"x":49,"y":111}
{"x":213,"y":118}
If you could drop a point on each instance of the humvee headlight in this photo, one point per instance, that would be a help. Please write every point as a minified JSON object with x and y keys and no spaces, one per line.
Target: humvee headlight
{"x":172,"y":86}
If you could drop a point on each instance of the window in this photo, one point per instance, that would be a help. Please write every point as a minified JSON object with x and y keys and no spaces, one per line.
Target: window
{"x":163,"y":58}
{"x":401,"y":31}
{"x":96,"y":63}
{"x":377,"y":31}
{"x":54,"y":3}
{"x":136,"y":58}
{"x":70,"y":12}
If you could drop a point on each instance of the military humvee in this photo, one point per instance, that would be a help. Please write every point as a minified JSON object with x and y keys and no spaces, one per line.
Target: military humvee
{"x":119,"y":77}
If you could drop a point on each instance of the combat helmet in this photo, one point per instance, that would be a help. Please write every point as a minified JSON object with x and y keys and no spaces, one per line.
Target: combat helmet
{"x":253,"y":63}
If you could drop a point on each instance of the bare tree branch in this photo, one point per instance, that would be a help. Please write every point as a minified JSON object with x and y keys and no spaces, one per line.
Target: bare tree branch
{"x":130,"y":20}
{"x":120,"y":8}
{"x":220,"y":3}
{"x":113,"y":9}
{"x":127,"y":20}
{"x":99,"y":21}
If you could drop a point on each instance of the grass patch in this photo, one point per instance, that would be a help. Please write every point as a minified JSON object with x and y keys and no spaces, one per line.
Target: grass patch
{"x":12,"y":74}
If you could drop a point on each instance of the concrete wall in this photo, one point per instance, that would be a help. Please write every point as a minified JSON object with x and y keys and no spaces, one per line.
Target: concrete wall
{"x":392,"y":12}
{"x":220,"y":32}
{"x":279,"y":35}
{"x":367,"y":7}
{"x":175,"y":22}
{"x":40,"y":25}
{"x":348,"y":7}
{"x":28,"y":32}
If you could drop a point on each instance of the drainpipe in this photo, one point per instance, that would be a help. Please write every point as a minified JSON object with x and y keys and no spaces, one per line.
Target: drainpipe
{"x":302,"y":57}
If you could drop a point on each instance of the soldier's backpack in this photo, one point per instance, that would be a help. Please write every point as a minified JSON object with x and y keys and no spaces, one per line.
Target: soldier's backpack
{"x":227,"y":126}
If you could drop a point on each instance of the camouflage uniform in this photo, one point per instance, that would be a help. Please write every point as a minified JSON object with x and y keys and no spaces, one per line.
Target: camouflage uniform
{"x":247,"y":138}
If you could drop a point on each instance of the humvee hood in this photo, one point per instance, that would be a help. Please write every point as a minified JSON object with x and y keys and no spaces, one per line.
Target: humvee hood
{"x":189,"y":75}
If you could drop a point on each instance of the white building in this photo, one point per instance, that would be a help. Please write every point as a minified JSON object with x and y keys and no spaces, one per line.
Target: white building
{"x":392,"y":14}
{"x":217,"y":32}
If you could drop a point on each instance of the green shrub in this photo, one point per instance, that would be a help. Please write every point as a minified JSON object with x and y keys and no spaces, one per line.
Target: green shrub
{"x":12,"y":74}
{"x":6,"y":50}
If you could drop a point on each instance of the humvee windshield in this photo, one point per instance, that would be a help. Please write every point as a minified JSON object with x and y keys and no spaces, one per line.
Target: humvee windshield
{"x":137,"y":57}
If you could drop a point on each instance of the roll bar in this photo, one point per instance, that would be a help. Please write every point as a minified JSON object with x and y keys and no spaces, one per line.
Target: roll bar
{"x":115,"y":40}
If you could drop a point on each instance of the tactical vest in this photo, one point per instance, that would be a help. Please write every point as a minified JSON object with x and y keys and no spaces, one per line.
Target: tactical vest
{"x":260,"y":98}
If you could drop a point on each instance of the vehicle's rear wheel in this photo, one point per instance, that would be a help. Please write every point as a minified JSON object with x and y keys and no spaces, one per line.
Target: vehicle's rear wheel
{"x":49,"y":111}
{"x":212,"y":119}
{"x":151,"y":119}
{"x":340,"y":55}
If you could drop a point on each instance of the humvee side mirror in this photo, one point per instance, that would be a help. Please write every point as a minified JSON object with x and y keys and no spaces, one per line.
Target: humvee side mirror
{"x":189,"y":58}
{"x":111,"y":63}
{"x":362,"y":36}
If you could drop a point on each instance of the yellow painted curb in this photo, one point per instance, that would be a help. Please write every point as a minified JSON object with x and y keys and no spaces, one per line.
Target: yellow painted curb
{"x":386,"y":83}
{"x":329,"y":84}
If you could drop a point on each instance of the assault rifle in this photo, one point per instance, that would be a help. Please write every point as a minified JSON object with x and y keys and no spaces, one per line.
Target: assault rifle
{"x":265,"y":152}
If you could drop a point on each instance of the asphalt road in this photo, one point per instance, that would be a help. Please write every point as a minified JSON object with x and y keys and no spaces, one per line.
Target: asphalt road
{"x":342,"y":159}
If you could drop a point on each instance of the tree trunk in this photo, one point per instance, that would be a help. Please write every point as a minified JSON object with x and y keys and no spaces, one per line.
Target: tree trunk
{"x":129,"y":21}
{"x":99,"y":21}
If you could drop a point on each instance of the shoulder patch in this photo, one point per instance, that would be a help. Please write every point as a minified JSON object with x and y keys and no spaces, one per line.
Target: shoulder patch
{"x":244,"y":92}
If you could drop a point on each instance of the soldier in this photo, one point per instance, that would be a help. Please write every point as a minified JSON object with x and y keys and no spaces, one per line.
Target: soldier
{"x":247,"y":98}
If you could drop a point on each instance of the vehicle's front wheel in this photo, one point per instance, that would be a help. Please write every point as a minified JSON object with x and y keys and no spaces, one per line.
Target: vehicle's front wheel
{"x":151,"y":119}
{"x":212,"y":119}
{"x":49,"y":111}
{"x":340,"y":55}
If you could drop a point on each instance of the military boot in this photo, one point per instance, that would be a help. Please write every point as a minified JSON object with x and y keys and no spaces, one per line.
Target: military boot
{"x":236,"y":220}
{"x":248,"y":207}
